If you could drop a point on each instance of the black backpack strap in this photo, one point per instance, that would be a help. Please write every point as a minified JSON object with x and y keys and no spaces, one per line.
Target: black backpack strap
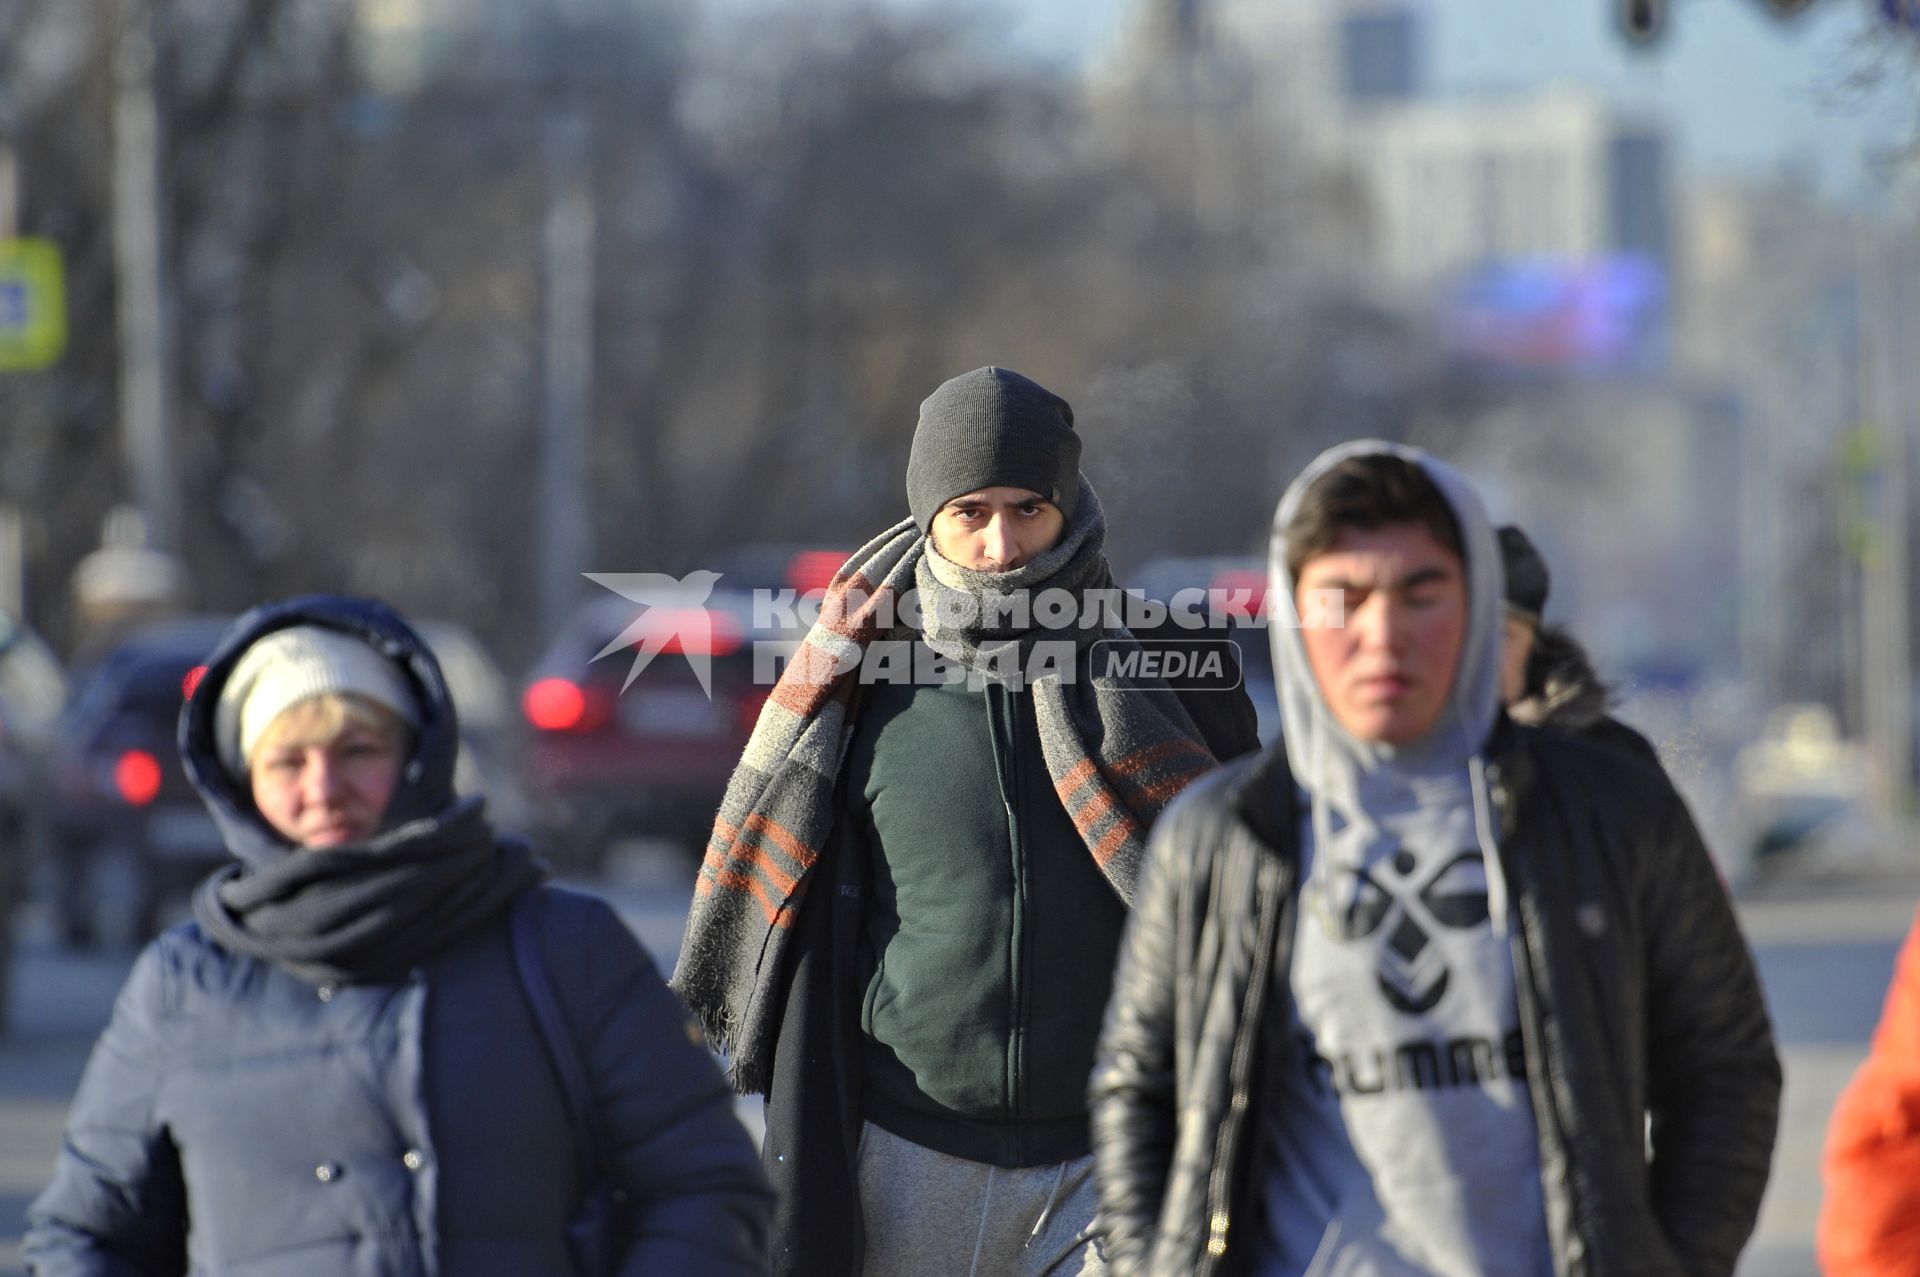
{"x":562,"y":1050}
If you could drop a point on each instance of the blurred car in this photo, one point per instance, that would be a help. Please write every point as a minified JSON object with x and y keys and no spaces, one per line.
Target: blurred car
{"x":607,"y":760}
{"x":611,"y":758}
{"x":1243,"y":580}
{"x":777,"y":566}
{"x":124,"y":834}
{"x":1806,"y":791}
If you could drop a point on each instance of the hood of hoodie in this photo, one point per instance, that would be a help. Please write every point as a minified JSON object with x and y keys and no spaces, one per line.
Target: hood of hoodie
{"x":1327,"y":760}
{"x":1371,"y":1160}
{"x":426,"y":783}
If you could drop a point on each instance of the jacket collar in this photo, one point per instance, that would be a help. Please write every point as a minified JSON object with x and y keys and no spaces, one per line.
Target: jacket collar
{"x":1265,"y":797}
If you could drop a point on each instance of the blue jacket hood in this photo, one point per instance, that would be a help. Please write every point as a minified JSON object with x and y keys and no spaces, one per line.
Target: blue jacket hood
{"x":426,"y":784}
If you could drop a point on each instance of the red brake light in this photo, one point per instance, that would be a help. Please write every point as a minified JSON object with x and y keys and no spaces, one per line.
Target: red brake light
{"x":136,"y":774}
{"x":555,"y":705}
{"x":812,"y":570}
{"x":192,"y":681}
{"x":1253,"y":583}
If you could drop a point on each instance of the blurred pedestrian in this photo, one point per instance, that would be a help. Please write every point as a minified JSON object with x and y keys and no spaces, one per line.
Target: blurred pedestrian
{"x":1421,"y":991}
{"x":384,"y":1045}
{"x":1870,"y":1216}
{"x":1546,"y":678}
{"x":905,"y":924}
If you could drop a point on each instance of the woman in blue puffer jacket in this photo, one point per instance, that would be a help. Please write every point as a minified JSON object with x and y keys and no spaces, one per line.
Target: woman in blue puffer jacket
{"x":336,"y":1068}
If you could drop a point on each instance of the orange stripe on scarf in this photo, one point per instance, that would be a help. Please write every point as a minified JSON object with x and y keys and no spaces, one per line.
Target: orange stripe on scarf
{"x":855,"y":623}
{"x":1161,"y":792}
{"x":735,"y":881}
{"x":802,"y":854}
{"x":1154,"y":753}
{"x":730,"y":848}
{"x":1095,"y":807}
{"x":1123,"y":829}
{"x":1077,"y":775}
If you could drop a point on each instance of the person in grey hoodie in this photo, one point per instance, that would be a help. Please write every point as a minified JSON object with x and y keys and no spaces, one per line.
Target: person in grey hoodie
{"x":1420,"y":990}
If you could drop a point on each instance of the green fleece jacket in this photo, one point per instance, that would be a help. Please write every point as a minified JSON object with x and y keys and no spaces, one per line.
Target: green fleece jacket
{"x":990,"y":935}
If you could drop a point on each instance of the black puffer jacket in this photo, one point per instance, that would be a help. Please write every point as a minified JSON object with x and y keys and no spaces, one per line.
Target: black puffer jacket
{"x":1637,"y":996}
{"x":1564,"y":692}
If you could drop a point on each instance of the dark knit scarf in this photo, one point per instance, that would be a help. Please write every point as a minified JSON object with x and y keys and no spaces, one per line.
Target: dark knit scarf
{"x":1117,"y":752}
{"x":369,"y":912}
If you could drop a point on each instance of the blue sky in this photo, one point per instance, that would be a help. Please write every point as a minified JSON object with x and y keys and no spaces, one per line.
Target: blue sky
{"x":1745,"y":92}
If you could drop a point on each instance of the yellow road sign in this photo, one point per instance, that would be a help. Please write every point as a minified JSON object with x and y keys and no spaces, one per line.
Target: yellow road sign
{"x":33,"y":304}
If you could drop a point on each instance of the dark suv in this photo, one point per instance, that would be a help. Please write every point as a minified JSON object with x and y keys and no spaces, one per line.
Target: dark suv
{"x":126,"y":836}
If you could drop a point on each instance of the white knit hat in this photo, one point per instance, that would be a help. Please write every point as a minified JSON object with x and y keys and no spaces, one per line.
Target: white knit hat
{"x":291,"y":665}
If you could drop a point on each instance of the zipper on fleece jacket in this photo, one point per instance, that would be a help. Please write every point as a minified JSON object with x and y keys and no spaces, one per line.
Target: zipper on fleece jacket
{"x":1003,"y":730}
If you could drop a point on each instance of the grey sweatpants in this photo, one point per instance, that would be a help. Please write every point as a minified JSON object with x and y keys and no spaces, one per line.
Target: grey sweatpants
{"x":930,"y":1215}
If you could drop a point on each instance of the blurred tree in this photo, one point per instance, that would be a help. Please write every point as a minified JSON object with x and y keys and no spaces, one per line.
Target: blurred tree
{"x":805,"y":219}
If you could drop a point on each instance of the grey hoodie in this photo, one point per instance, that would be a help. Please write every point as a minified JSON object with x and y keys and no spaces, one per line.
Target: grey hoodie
{"x":1400,"y":1139}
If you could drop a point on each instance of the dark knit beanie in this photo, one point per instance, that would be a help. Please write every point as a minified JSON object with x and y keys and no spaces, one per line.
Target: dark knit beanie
{"x":1527,"y":577}
{"x":992,"y":428}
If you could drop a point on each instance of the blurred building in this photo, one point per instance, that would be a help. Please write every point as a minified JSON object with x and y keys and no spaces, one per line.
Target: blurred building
{"x":1448,"y":184}
{"x":1804,"y":309}
{"x":1656,"y":595}
{"x":1458,"y":183}
{"x":1325,"y":61}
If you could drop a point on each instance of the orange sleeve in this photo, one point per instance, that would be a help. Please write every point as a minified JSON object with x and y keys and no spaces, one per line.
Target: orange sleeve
{"x":1870,"y":1218}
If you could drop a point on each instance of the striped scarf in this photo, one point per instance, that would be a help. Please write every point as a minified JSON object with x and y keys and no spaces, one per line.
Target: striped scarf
{"x":1116,"y":750}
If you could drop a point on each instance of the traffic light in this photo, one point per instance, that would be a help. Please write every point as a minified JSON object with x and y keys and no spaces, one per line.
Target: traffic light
{"x":1645,"y":21}
{"x":1642,"y":19}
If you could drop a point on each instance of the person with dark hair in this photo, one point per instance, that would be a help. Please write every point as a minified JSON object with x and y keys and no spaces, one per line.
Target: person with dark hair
{"x":904,"y":928}
{"x":385,"y":1044}
{"x":1546,"y":678}
{"x":1420,"y":991}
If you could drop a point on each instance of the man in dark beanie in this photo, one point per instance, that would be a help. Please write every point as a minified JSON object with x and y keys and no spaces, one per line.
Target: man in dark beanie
{"x":904,"y":929}
{"x":991,"y":428}
{"x":1546,"y":678}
